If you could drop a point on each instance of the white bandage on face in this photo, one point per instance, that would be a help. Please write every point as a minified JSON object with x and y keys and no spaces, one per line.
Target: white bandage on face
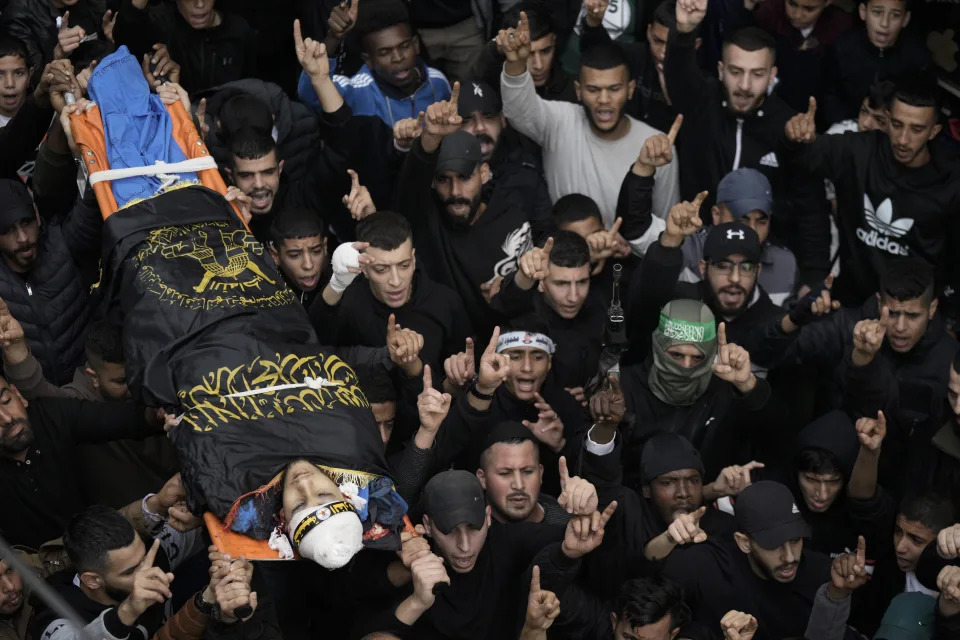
{"x":344,"y":259}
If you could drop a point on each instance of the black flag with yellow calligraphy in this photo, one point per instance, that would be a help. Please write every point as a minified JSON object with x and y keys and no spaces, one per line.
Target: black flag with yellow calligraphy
{"x":212,"y":333}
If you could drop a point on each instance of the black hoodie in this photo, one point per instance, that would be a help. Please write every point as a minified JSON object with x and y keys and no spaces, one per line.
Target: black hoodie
{"x":886,"y":209}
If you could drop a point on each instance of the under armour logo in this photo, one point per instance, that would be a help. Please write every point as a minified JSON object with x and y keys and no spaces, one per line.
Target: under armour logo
{"x":794,"y":509}
{"x":738,"y":234}
{"x":477,"y":91}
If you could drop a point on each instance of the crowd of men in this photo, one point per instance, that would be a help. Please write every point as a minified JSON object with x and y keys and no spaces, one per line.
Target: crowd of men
{"x":680,"y":357}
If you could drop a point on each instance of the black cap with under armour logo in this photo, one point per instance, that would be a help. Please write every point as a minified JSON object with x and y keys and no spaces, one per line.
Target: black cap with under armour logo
{"x":730,"y":238}
{"x":767,"y":512}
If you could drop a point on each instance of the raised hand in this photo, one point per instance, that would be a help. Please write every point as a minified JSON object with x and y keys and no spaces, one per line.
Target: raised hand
{"x":151,"y":585}
{"x":948,"y":542}
{"x":690,"y":13}
{"x":534,"y":265}
{"x":491,"y":288}
{"x":603,"y":243}
{"x":404,"y":344}
{"x":596,"y":9}
{"x":358,"y":202}
{"x":737,"y":625}
{"x":441,"y":119}
{"x":585,"y":533}
{"x":685,"y":528}
{"x":428,"y":571}
{"x":657,"y":151}
{"x":494,"y":367}
{"x":347,"y":263}
{"x":432,"y":405}
{"x":733,"y":363}
{"x":242,"y":201}
{"x":343,"y":18}
{"x":734,"y":479}
{"x":57,"y":79}
{"x":579,"y":394}
{"x":83,"y":78}
{"x":948,"y":584}
{"x":108,"y":23}
{"x":159,"y":67}
{"x":412,"y":547}
{"x":68,"y":38}
{"x":514,"y":45}
{"x":803,"y":127}
{"x":311,"y":53}
{"x":608,"y":405}
{"x":812,"y":306}
{"x":548,"y":428}
{"x":849,"y":571}
{"x":171,"y":92}
{"x":543,"y":607}
{"x":407,"y":130}
{"x":11,"y":332}
{"x":461,"y":367}
{"x":872,"y":432}
{"x":682,"y":221}
{"x":180,"y":518}
{"x":868,"y":338}
{"x":577,"y":496}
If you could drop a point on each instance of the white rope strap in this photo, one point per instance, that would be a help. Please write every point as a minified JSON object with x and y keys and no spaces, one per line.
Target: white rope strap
{"x":163,"y":170}
{"x":308,"y":382}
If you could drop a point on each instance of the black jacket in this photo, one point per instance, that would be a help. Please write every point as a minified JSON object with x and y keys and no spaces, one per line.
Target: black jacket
{"x":51,"y":300}
{"x":434,"y":311}
{"x":41,"y":494}
{"x":886,"y":210}
{"x":716,"y":577}
{"x":718,"y":423}
{"x":852,"y":64}
{"x":20,"y":138}
{"x":559,"y":85}
{"x":207,"y":57}
{"x":465,"y":258}
{"x":34,"y":22}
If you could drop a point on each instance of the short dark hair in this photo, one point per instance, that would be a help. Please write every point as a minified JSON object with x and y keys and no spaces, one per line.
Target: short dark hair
{"x":485,"y":456}
{"x":94,"y":532}
{"x":538,"y":17}
{"x":290,"y":224}
{"x":644,"y":601}
{"x":881,"y":94}
{"x":376,"y":384}
{"x":384,"y":230}
{"x":906,"y":4}
{"x":907,"y":279}
{"x":929,"y":507}
{"x":244,"y":111}
{"x":603,"y":55}
{"x":378,"y":15}
{"x":251,"y":144}
{"x":918,"y":90}
{"x":104,"y":343}
{"x":752,"y":39}
{"x":569,"y":250}
{"x":14,"y":47}
{"x":666,"y":14}
{"x":817,"y":460}
{"x":575,"y":207}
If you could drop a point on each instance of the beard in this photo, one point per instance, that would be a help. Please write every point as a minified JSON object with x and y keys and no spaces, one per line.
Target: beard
{"x":462,"y":222}
{"x":20,"y":442}
{"x":596,"y":125}
{"x":755,"y":105}
{"x":114,"y":593}
{"x":713,"y":300}
{"x":767,"y":572}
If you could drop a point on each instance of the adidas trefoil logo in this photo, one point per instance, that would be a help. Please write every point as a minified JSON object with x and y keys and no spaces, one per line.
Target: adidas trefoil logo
{"x":884,"y":230}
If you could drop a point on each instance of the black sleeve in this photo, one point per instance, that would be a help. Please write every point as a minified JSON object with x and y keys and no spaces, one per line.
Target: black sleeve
{"x":337,"y":130}
{"x":582,"y":614}
{"x":512,"y":301}
{"x":324,"y":319}
{"x":82,"y":227}
{"x":414,"y":186}
{"x":456,"y":433}
{"x":92,"y":422}
{"x":688,"y":89}
{"x":22,"y":135}
{"x":136,"y":29}
{"x":649,"y":290}
{"x":635,"y":205}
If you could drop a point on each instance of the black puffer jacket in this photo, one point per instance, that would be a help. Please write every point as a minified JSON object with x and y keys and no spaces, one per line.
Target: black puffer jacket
{"x":35,"y":23}
{"x":51,"y":302}
{"x":298,"y":135}
{"x":207,"y":57}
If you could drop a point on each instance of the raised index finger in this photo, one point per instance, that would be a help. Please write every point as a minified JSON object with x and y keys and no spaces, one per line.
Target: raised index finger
{"x":615,"y":229}
{"x":675,"y":128}
{"x":65,"y":21}
{"x":494,"y":338}
{"x":151,"y":555}
{"x":535,"y":579}
{"x":564,"y":473}
{"x":698,"y":201}
{"x":427,"y":378}
{"x":884,"y":317}
{"x":523,"y":25}
{"x":699,"y":513}
{"x":455,"y":94}
{"x":354,"y":180}
{"x":297,"y":35}
{"x":607,"y":514}
{"x":722,"y":334}
{"x":812,"y":107}
{"x":861,"y":552}
{"x":548,"y":245}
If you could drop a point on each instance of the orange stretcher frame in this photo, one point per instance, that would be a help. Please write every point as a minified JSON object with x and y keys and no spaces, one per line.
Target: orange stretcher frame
{"x":87,"y":129}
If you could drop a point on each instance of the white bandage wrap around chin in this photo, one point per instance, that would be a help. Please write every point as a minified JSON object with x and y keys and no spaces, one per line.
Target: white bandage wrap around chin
{"x":515,"y":339}
{"x":330,"y":534}
{"x":344,"y":259}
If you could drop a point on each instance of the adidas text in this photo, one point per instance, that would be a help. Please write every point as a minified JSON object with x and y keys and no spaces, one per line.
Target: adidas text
{"x":873,"y":239}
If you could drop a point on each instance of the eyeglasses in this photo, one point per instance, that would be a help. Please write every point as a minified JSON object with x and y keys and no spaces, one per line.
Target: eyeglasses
{"x":726,"y":267}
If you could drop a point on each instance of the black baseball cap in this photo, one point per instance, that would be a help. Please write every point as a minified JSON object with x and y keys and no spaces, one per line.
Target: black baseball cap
{"x":452,"y":498}
{"x":666,"y":452}
{"x":729,"y":238}
{"x":477,"y":95}
{"x":460,"y":153}
{"x":15,"y":203}
{"x":767,"y":512}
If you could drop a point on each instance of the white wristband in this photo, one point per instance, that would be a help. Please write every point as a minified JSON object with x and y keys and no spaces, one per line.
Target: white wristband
{"x":344,"y":258}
